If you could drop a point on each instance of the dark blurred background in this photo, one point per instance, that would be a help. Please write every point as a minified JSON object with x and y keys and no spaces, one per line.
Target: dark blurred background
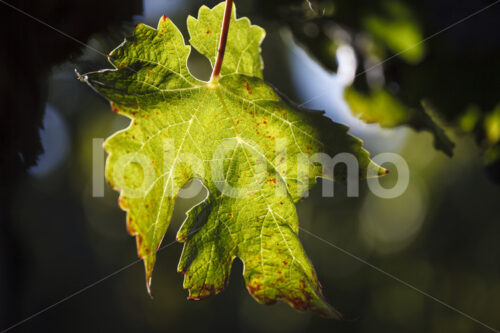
{"x":442,"y":235}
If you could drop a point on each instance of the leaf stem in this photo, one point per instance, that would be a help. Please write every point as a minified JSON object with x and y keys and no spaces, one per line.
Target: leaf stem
{"x":223,"y":39}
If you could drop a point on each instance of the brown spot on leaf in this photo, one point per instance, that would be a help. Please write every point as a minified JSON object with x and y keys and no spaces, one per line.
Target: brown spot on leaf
{"x":272,"y":180}
{"x":207,"y":288}
{"x":302,"y":284}
{"x":209,"y":31}
{"x":206,"y":291}
{"x":130,"y":228}
{"x":253,"y":287}
{"x":122,"y":203}
{"x":139,"y":242}
{"x":249,"y":90}
{"x":299,"y":303}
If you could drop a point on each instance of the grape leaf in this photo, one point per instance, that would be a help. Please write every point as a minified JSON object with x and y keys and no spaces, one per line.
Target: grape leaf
{"x":239,"y":137}
{"x":383,"y":108}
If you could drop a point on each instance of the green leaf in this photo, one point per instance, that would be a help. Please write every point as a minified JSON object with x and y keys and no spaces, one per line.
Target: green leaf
{"x":239,"y":137}
{"x":242,"y":53}
{"x":398,"y":29}
{"x":383,"y":108}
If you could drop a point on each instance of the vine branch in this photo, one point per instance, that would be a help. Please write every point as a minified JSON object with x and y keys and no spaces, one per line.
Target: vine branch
{"x":223,"y":39}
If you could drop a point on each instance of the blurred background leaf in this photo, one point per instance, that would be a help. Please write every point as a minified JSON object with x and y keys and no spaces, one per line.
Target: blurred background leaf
{"x":452,"y":70}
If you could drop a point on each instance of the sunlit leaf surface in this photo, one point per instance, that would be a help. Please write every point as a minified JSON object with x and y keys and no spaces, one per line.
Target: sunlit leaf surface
{"x":235,"y":134}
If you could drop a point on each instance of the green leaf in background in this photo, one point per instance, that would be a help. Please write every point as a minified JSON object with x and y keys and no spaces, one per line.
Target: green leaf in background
{"x":182,"y":127}
{"x":486,"y":128}
{"x":375,"y":30}
{"x":398,"y":30}
{"x":383,"y":108}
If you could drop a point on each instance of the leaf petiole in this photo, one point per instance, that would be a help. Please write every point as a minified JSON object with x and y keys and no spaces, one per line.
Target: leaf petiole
{"x":223,"y":39}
